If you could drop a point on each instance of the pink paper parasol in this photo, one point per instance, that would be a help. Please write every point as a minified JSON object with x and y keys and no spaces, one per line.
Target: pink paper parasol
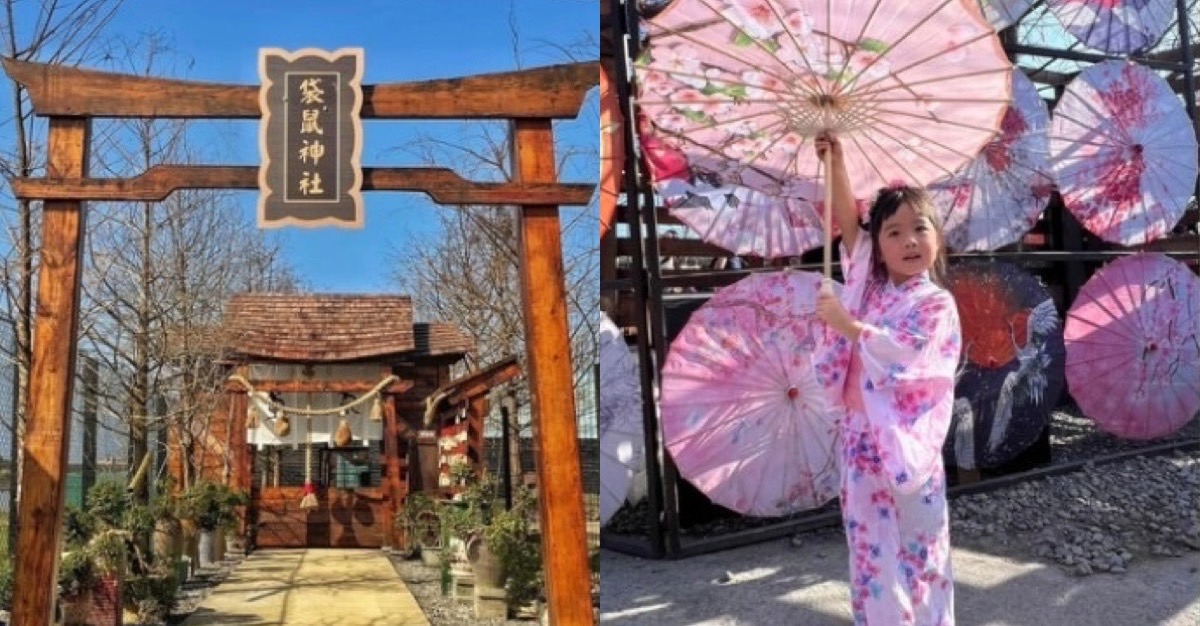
{"x":621,"y":437}
{"x":1133,"y":357}
{"x":740,"y":88}
{"x":742,"y":413}
{"x":1123,"y":152}
{"x":996,"y":199}
{"x":612,"y":151}
{"x":1115,"y":26}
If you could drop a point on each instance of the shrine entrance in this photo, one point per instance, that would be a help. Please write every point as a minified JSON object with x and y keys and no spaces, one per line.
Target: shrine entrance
{"x":528,"y":99}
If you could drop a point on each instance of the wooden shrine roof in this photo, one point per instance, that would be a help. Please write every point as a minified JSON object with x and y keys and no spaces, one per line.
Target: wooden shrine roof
{"x":335,"y":327}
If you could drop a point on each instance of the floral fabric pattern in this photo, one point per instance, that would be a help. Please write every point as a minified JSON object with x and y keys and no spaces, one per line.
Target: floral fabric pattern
{"x":893,"y":493}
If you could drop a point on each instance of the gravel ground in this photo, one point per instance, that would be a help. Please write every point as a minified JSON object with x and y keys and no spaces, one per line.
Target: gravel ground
{"x":1094,"y":520}
{"x":193,"y":592}
{"x":425,"y":584}
{"x":1072,"y":438}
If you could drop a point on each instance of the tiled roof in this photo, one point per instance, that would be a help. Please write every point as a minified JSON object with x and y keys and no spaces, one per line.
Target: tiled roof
{"x":437,"y":338}
{"x":320,"y":327}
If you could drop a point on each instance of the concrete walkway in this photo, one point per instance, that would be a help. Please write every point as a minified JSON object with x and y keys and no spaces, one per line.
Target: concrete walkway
{"x":319,"y":587}
{"x":777,"y":583}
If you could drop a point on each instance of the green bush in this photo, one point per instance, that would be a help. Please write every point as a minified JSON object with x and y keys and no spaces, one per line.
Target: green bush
{"x":6,"y":584}
{"x":107,"y":502}
{"x":151,"y":596}
{"x":76,"y":572}
{"x":211,"y":505}
{"x":80,"y":526}
{"x":508,"y":536}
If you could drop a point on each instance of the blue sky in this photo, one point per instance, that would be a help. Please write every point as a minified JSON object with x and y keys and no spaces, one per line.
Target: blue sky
{"x":402,"y":41}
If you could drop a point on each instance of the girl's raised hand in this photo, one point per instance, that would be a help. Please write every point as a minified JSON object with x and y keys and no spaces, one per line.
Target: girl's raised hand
{"x":831,"y":311}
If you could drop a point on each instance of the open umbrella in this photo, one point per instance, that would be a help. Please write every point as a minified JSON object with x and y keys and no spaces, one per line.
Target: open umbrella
{"x":1133,"y":357}
{"x":743,"y":415}
{"x":621,"y":438}
{"x":1012,"y":373}
{"x":996,"y":199}
{"x":1123,"y":152}
{"x":742,"y":87}
{"x":1115,"y":26}
{"x":1004,"y":13}
{"x":612,"y":150}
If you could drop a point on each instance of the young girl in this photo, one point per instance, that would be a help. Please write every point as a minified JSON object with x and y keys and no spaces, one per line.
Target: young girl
{"x":892,"y":352}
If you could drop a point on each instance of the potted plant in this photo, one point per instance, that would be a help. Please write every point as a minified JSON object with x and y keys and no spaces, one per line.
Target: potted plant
{"x":419,"y":524}
{"x":167,"y":544}
{"x":211,"y":506}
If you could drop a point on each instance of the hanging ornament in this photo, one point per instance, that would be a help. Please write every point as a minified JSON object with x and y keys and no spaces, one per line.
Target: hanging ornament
{"x":282,"y":426}
{"x":342,"y":436}
{"x":376,"y":414}
{"x":309,"y":501}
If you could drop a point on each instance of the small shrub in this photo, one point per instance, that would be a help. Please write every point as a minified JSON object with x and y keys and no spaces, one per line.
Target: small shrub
{"x":151,"y":596}
{"x":80,"y":526}
{"x":107,"y":502}
{"x":6,"y":584}
{"x":77,"y":573}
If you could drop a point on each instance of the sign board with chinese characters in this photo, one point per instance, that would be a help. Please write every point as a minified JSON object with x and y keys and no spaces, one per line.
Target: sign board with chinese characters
{"x":310,"y":138}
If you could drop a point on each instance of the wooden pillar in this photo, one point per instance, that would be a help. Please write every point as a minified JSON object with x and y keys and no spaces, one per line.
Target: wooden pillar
{"x":391,"y":457}
{"x":551,"y":383}
{"x":51,"y":382}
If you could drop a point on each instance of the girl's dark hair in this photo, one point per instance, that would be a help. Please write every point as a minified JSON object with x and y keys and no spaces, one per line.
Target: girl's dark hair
{"x":887,"y":202}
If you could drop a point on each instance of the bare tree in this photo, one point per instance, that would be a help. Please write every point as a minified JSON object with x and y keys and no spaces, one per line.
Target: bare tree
{"x":157,"y":276}
{"x":52,"y":31}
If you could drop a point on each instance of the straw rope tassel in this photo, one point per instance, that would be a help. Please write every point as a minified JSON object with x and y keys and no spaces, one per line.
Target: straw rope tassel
{"x":310,"y":493}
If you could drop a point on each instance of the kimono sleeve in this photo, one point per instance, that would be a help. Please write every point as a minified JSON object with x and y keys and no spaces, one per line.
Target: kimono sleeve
{"x":909,"y":387}
{"x":856,"y":262}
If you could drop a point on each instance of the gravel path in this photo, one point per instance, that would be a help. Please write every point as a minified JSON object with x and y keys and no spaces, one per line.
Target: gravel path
{"x":1097,"y":519}
{"x":425,"y":584}
{"x":193,"y":592}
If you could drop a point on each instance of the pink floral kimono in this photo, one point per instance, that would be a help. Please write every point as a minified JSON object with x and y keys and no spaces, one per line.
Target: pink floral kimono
{"x":897,"y":385}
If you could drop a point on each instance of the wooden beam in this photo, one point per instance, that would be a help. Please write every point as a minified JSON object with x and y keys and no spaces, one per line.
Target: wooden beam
{"x":441,"y":184}
{"x":551,"y":385}
{"x":51,"y":384}
{"x":320,"y":386}
{"x":555,"y":91}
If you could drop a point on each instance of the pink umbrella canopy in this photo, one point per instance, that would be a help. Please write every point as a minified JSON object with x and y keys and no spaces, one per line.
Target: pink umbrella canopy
{"x":742,"y":413}
{"x":996,"y":199}
{"x":738,"y":89}
{"x":1123,"y":152}
{"x":1115,"y":26}
{"x":621,"y":437}
{"x":1133,"y":357}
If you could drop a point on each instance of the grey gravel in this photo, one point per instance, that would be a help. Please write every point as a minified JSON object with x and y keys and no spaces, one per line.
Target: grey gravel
{"x":1098,"y":519}
{"x":192,"y":593}
{"x":425,"y":584}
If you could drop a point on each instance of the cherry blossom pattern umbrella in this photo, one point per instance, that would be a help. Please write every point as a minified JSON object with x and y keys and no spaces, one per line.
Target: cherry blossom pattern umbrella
{"x":621,"y":437}
{"x":1123,"y":152}
{"x":612,"y":150}
{"x":743,"y":415}
{"x":1004,"y":13}
{"x":1115,"y":26}
{"x":740,"y":88}
{"x":996,"y":199}
{"x":1133,"y":355}
{"x":1012,"y":373}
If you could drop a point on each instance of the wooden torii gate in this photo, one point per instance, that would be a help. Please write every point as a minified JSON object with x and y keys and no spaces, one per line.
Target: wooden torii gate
{"x":529,"y":99}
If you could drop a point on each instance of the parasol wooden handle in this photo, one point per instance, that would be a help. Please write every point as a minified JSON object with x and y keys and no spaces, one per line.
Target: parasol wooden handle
{"x":828,"y":216}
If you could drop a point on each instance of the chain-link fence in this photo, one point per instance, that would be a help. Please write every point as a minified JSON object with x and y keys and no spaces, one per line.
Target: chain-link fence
{"x":97,"y":444}
{"x":516,"y":457}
